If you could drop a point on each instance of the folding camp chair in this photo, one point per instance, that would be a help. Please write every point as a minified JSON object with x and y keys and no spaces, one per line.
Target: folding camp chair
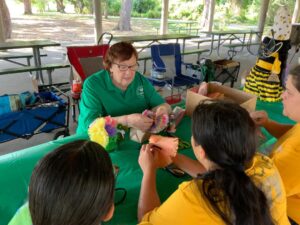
{"x":86,"y":60}
{"x":166,"y":67}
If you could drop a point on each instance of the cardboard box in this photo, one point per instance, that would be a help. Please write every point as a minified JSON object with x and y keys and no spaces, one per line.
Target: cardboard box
{"x":246,"y":100}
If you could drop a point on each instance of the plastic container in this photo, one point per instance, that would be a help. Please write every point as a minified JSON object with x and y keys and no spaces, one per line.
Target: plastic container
{"x":173,"y":99}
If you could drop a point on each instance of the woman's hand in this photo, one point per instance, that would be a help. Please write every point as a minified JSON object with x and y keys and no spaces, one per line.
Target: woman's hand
{"x":151,"y":158}
{"x":260,"y":118}
{"x":139,"y":121}
{"x":163,"y":109}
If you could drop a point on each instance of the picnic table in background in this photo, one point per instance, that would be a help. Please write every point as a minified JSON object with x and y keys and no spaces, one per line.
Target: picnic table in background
{"x":185,"y":27}
{"x":151,"y":39}
{"x":230,"y":35}
{"x":154,"y":39}
{"x":35,"y":45}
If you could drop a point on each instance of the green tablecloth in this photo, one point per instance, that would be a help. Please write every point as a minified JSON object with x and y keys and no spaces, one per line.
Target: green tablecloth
{"x":16,"y":168}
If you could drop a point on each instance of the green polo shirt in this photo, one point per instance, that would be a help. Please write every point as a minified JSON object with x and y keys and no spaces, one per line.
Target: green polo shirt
{"x":100,"y":97}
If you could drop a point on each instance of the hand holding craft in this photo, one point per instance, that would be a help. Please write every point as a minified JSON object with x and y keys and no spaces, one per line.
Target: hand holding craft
{"x":168,"y":145}
{"x":139,"y":121}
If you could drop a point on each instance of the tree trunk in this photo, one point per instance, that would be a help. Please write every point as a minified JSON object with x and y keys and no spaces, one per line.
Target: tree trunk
{"x":5,"y":22}
{"x":236,"y":6}
{"x":296,"y":13}
{"x":27,"y":7}
{"x":60,"y":6}
{"x":125,"y":16}
{"x":206,"y":22}
{"x":164,"y":17}
{"x":97,"y":19}
{"x":205,"y":14}
{"x":106,"y":9}
{"x":211,"y":14}
{"x":262,"y":16}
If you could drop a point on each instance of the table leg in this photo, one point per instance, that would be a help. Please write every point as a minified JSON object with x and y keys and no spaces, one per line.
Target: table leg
{"x":244,"y":39}
{"x":183,"y":48}
{"x":211,"y":44}
{"x":37,"y":63}
{"x":219,"y":43}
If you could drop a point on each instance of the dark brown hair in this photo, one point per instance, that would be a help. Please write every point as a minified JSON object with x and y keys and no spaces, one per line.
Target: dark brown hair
{"x":226,"y":132}
{"x":74,"y":184}
{"x":120,"y":51}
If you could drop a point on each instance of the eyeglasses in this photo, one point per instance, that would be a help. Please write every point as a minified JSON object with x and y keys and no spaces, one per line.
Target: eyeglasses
{"x":125,"y":67}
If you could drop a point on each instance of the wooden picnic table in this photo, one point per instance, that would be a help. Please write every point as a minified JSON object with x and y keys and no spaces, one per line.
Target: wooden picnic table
{"x":229,"y":34}
{"x":154,"y":39}
{"x":36,"y":45}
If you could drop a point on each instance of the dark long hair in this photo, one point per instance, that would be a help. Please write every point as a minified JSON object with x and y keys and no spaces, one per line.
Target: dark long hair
{"x":72,"y":185}
{"x":227,"y":134}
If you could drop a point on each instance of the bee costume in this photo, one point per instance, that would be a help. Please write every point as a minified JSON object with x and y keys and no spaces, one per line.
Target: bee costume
{"x":266,"y":77}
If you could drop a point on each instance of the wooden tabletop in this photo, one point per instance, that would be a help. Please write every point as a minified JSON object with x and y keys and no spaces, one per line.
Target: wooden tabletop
{"x":227,"y":32}
{"x":27,"y":44}
{"x":136,"y":38}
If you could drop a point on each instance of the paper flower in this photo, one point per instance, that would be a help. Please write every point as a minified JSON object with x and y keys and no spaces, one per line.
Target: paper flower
{"x":105,"y":131}
{"x":160,"y":122}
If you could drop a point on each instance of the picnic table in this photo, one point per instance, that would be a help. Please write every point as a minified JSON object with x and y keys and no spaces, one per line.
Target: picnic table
{"x":229,"y":35}
{"x":154,"y":39}
{"x":36,"y":45}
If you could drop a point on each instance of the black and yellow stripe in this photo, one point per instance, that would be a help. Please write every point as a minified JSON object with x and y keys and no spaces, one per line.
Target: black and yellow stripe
{"x":257,"y":83}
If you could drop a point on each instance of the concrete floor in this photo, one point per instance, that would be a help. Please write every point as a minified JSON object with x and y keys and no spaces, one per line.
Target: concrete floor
{"x":17,"y":83}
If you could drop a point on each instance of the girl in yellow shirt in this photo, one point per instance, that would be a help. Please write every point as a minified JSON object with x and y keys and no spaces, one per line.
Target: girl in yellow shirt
{"x":232,"y":185}
{"x":286,"y":151}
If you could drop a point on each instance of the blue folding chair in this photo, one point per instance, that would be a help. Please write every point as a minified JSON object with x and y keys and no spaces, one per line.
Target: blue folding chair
{"x":166,"y":67}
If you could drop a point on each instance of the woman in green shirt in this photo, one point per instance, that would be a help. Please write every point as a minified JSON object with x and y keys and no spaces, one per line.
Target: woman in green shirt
{"x":119,"y":91}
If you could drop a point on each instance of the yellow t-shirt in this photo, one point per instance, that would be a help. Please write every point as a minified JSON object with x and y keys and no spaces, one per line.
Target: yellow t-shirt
{"x":186,"y":205}
{"x":286,"y":157}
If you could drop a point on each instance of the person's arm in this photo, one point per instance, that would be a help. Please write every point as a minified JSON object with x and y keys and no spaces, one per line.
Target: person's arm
{"x":91,"y":106}
{"x":148,"y":199}
{"x":135,"y":120}
{"x":150,"y":160}
{"x":275,"y":129}
{"x":188,"y":165}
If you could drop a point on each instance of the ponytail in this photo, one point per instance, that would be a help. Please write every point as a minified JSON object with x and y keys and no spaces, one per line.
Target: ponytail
{"x":228,"y":136}
{"x":233,"y":196}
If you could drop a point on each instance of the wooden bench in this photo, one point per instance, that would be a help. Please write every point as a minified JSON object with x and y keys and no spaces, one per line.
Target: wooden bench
{"x":189,"y":30}
{"x":10,"y":56}
{"x":195,"y":51}
{"x":232,"y":48}
{"x":48,"y":67}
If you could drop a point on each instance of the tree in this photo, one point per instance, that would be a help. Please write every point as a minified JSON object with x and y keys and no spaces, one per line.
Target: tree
{"x":125,"y":16}
{"x":60,"y":6}
{"x":206,"y":21}
{"x":105,"y":6}
{"x":27,"y":7}
{"x":5,"y":22}
{"x":98,"y":19}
